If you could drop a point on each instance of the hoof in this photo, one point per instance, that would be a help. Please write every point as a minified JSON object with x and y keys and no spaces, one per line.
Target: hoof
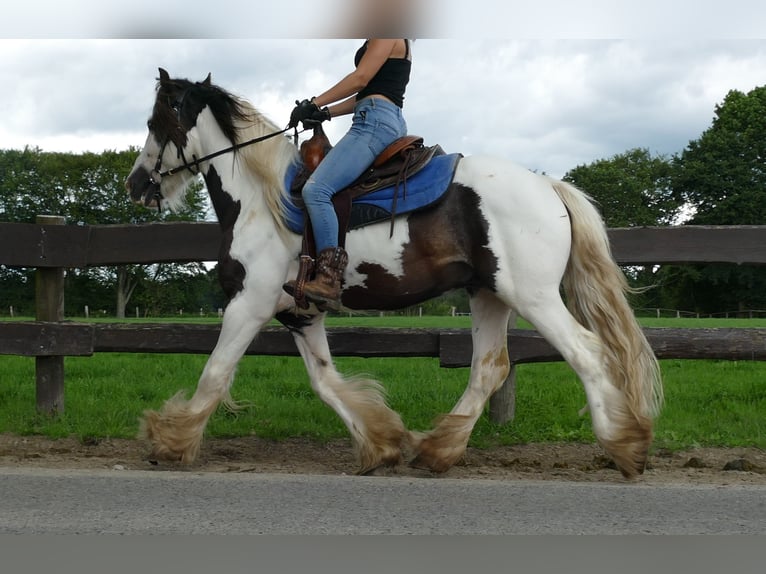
{"x":389,"y":455}
{"x":422,"y":462}
{"x":159,"y":453}
{"x":433,"y":454}
{"x":169,"y":440}
{"x":388,"y":461}
{"x":631,"y":453}
{"x":440,"y":449}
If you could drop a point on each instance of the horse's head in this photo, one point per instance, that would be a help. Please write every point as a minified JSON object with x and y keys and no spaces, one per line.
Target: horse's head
{"x":196,"y":124}
{"x":158,"y":173}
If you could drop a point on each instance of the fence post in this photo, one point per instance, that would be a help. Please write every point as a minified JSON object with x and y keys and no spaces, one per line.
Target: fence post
{"x":49,"y":306}
{"x":502,"y":404}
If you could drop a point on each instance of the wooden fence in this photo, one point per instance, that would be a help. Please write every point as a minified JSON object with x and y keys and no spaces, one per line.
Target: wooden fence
{"x":51,"y":247}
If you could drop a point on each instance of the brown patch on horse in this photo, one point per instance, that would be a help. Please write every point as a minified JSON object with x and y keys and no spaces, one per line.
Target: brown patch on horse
{"x":448,"y":249}
{"x":497,"y":359}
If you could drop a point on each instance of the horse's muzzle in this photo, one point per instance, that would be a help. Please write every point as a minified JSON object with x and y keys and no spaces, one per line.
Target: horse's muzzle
{"x":142,"y":188}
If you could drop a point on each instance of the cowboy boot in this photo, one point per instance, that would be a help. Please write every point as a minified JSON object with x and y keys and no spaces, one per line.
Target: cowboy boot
{"x":325,"y":287}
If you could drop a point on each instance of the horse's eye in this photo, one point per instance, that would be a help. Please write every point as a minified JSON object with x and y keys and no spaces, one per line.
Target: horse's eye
{"x":175,"y":103}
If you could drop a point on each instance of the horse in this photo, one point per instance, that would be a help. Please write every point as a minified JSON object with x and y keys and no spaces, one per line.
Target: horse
{"x":510,"y":237}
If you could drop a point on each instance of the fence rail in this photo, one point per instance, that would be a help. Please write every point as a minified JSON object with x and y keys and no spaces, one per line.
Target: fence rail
{"x":35,"y":245}
{"x":50,"y":247}
{"x":451,"y":346}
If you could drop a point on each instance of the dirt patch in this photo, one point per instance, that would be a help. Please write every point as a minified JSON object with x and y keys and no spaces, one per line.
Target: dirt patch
{"x":561,"y":461}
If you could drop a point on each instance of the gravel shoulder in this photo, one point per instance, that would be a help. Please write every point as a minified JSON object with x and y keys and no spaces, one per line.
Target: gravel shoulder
{"x":558,"y":461}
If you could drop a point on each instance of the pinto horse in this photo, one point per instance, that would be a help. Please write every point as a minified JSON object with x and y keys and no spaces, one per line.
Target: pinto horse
{"x":508,"y":236}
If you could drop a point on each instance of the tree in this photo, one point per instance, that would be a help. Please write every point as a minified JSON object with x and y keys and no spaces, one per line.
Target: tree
{"x":722,"y":176}
{"x":631,"y":188}
{"x":87,"y":189}
{"x":17,"y":291}
{"x":174,"y":288}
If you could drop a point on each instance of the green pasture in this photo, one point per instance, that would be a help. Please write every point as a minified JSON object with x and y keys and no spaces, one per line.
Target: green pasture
{"x":708,"y":403}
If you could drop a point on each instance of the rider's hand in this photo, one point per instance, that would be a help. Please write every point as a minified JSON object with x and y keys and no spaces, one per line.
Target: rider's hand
{"x":317,"y":117}
{"x":302,"y":111}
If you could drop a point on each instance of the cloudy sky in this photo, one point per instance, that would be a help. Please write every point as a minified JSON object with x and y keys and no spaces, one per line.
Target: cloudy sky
{"x":546,"y":102}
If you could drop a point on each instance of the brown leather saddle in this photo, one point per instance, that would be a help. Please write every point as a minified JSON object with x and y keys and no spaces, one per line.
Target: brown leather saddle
{"x":399,"y":161}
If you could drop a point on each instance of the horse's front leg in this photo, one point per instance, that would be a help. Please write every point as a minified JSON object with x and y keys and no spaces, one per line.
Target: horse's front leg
{"x":176,"y":430}
{"x":445,"y":445}
{"x":378,"y":432}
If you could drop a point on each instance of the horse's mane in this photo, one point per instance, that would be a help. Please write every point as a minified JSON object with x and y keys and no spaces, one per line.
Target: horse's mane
{"x":269,"y":159}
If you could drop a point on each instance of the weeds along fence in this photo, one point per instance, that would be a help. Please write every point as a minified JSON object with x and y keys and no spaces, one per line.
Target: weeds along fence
{"x":50,"y":247}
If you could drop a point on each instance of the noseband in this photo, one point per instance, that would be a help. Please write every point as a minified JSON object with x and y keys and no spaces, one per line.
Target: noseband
{"x":155,"y":178}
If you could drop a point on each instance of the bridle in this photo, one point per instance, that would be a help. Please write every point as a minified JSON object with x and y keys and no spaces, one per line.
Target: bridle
{"x":155,"y":177}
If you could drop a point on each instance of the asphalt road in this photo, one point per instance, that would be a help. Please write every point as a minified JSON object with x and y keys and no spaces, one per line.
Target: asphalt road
{"x":45,"y":501}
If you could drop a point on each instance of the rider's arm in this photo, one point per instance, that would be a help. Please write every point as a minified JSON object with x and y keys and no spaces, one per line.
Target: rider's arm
{"x":343,"y":108}
{"x":378,"y":51}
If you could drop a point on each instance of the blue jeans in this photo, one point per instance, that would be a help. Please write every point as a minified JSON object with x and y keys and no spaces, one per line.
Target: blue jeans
{"x":376,"y":124}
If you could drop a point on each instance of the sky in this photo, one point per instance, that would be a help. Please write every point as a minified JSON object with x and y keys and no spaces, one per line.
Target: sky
{"x":549,"y":85}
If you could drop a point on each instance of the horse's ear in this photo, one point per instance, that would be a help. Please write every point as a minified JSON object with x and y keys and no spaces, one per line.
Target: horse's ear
{"x":206,"y":81}
{"x":164,"y":76}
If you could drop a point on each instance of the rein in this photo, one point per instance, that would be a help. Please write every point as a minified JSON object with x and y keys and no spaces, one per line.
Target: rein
{"x":157,"y":175}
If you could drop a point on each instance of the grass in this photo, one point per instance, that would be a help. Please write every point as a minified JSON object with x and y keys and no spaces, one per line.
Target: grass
{"x":708,"y":403}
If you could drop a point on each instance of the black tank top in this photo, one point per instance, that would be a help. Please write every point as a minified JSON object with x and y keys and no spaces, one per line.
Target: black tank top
{"x":392,"y":78}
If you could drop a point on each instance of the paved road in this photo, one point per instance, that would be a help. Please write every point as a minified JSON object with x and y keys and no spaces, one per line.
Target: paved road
{"x":39,"y":501}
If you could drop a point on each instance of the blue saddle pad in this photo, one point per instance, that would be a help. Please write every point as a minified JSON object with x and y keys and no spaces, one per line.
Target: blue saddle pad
{"x":424,"y":188}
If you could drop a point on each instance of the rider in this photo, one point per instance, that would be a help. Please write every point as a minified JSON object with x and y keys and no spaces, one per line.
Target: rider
{"x":374,"y":93}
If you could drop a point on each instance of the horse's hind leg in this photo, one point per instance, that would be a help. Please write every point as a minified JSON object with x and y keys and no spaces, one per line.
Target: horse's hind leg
{"x":442,"y":447}
{"x":623,"y":434}
{"x":176,"y":430}
{"x":377,"y":431}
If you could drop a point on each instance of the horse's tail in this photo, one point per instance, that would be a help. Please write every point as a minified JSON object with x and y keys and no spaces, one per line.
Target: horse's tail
{"x":596,"y":292}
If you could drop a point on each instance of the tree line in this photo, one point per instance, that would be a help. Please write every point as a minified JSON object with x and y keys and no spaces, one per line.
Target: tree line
{"x":717,"y":179}
{"x":88,"y":189}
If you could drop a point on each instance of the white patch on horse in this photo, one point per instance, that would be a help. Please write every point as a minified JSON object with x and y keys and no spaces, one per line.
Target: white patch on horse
{"x":530,"y":212}
{"x":370,"y":245}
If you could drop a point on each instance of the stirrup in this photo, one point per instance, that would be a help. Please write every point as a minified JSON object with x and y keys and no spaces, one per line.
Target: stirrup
{"x":295,"y":287}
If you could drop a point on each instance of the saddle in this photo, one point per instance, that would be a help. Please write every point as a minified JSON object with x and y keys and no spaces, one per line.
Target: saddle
{"x":402,"y":159}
